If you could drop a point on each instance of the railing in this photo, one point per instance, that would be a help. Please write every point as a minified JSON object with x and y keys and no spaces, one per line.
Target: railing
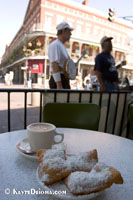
{"x":114,"y":106}
{"x":85,"y":58}
{"x":37,"y":27}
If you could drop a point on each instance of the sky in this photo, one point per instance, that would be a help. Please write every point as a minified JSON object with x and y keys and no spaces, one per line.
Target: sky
{"x":12,"y":14}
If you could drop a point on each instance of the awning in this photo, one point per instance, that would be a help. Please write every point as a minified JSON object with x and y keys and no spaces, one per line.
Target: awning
{"x":36,"y":66}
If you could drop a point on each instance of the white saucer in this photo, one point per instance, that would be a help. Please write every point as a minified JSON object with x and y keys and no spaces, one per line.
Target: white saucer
{"x":24,"y":144}
{"x":60,"y":186}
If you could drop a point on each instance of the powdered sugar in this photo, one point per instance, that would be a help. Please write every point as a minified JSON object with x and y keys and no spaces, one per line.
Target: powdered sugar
{"x":82,"y":182}
{"x":52,"y":153}
{"x":54,"y":162}
{"x":82,"y":162}
{"x":54,"y":159}
{"x":45,"y":178}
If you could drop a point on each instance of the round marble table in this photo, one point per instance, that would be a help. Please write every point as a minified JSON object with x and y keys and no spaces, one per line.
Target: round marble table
{"x":18,"y":173}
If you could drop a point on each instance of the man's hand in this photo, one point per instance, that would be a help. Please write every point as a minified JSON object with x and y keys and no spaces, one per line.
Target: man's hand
{"x":99,"y":78}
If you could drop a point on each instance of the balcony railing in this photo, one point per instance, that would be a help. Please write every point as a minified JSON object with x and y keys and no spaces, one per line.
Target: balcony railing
{"x":86,"y":58}
{"x":37,"y":27}
{"x":114,"y":106}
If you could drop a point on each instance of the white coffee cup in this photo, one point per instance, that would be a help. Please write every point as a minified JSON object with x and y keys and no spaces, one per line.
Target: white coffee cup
{"x":41,"y":136}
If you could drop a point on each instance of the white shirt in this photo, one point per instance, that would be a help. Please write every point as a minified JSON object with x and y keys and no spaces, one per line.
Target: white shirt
{"x":57,"y":53}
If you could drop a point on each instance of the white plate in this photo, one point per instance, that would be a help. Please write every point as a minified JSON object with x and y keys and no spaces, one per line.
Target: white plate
{"x":60,"y":186}
{"x":25,"y":145}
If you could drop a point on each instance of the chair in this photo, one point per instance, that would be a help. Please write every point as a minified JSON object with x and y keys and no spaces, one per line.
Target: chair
{"x":72,"y":115}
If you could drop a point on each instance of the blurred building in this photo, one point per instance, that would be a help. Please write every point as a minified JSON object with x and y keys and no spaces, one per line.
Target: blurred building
{"x":27,"y":55}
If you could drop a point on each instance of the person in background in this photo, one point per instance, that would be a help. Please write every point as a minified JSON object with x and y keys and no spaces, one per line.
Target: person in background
{"x":79,"y":81}
{"x":126,"y":81}
{"x":87,"y":83}
{"x":105,"y":68}
{"x":58,"y":57}
{"x":87,"y":77}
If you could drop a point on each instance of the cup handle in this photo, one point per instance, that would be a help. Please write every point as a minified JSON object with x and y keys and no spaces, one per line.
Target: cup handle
{"x":62,"y":138}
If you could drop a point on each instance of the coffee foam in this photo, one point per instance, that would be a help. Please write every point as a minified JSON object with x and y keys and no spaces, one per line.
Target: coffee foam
{"x":40,"y":127}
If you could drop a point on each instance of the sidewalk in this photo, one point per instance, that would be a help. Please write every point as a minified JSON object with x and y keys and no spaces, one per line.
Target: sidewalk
{"x":3,"y":85}
{"x":17,"y":111}
{"x":17,"y":99}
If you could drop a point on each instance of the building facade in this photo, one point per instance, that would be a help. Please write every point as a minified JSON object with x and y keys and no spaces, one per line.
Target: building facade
{"x":27,"y":55}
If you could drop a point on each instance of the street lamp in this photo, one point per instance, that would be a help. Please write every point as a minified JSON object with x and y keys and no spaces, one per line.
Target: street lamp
{"x":26,"y":61}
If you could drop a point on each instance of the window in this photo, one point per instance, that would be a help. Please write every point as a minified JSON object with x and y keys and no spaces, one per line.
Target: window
{"x":70,"y":23}
{"x":70,"y":10}
{"x":78,"y":30}
{"x":122,"y":57}
{"x":55,"y":5}
{"x":48,"y":22}
{"x":88,"y":29}
{"x":59,"y":19}
{"x":49,"y":4}
{"x":66,"y":9}
{"x":118,"y":39}
{"x":67,"y":45}
{"x":96,"y":30}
